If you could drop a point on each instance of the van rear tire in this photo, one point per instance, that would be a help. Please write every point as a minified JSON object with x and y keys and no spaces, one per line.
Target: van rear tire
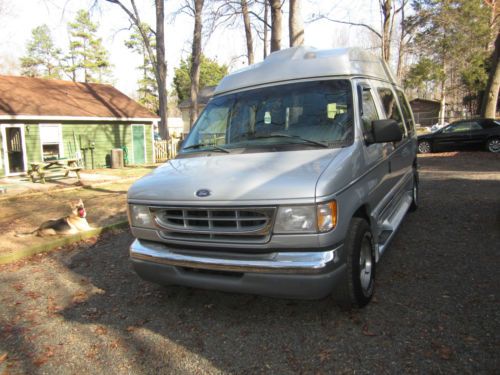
{"x":358,"y":287}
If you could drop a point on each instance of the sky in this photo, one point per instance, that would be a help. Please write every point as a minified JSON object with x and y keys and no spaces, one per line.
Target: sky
{"x":227,"y":45}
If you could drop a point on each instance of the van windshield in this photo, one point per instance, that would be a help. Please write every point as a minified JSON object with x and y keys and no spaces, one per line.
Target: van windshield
{"x":297,"y":115}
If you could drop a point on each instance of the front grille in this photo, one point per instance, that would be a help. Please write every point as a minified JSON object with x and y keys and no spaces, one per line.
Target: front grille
{"x":240,"y":224}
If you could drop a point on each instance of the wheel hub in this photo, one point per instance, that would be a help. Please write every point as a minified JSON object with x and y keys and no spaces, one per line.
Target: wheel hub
{"x":365,"y":264}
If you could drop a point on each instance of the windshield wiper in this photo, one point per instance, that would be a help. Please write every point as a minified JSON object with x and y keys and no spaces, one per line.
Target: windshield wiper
{"x":211,"y":147}
{"x":272,"y":135}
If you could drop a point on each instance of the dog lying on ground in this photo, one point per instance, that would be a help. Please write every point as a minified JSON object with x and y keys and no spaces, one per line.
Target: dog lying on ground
{"x":76,"y":222}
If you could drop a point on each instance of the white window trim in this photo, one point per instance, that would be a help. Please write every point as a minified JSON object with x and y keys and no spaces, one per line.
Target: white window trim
{"x":5,"y":157}
{"x":144,"y":141}
{"x":61,"y":144}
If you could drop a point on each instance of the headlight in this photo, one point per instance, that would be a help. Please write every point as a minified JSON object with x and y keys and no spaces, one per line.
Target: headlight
{"x":139,"y":216}
{"x":296,"y":219}
{"x":306,"y":219}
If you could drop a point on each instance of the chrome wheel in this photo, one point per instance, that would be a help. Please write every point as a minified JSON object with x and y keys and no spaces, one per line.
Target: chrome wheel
{"x":366,"y":265}
{"x":424,"y":147}
{"x":494,"y":145}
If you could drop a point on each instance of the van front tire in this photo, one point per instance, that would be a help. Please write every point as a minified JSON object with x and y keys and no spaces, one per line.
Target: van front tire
{"x":359,"y":285}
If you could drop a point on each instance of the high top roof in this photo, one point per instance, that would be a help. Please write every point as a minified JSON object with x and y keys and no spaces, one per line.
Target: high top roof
{"x":307,"y":62}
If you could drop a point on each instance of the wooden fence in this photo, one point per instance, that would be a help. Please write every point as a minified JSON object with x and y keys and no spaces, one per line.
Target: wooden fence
{"x":165,"y":149}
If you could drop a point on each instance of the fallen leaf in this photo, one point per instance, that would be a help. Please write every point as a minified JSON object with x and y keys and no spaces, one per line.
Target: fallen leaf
{"x":444,"y":352}
{"x":324,"y":355}
{"x":101,"y":330}
{"x":32,"y":295}
{"x":367,"y":332}
{"x":131,"y":328}
{"x":18,"y":286}
{"x":79,"y":297}
{"x":3,"y":357}
{"x":40,"y":361}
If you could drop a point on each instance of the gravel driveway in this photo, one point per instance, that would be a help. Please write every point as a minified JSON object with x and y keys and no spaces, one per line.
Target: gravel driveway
{"x":83,"y":310}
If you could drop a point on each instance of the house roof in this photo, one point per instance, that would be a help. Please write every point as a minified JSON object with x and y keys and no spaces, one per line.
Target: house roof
{"x":204,"y":96}
{"x":38,"y":97}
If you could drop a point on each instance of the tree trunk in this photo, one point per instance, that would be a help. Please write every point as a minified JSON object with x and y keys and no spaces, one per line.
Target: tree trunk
{"x":276,"y":20}
{"x":386,"y":8}
{"x":490,"y":99}
{"x":161,"y":68}
{"x":266,"y":17}
{"x":195,"y":61}
{"x":248,"y":31}
{"x":402,"y":45}
{"x":442,"y":113}
{"x":158,"y":59}
{"x":296,"y":24}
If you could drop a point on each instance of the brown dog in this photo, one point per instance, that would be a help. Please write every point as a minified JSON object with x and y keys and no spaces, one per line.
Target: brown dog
{"x":74,"y":223}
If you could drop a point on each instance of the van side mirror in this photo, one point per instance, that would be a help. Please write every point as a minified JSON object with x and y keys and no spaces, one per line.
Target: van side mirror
{"x":386,"y":131}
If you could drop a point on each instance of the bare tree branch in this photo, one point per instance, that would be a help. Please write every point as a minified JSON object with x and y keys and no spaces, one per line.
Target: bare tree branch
{"x":323,"y":17}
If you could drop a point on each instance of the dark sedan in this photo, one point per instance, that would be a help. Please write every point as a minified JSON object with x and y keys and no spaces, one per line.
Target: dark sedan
{"x":464,"y":133}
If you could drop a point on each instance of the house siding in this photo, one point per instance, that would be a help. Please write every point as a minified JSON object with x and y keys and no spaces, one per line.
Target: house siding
{"x":32,"y":140}
{"x":105,"y":137}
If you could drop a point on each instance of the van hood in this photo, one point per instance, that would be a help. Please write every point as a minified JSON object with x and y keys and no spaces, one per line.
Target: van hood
{"x":238,"y":177}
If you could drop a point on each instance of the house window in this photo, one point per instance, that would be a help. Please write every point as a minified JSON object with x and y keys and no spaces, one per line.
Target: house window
{"x":51,"y":141}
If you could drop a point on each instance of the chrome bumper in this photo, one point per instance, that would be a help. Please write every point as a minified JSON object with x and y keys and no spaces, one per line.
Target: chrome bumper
{"x":277,"y":262}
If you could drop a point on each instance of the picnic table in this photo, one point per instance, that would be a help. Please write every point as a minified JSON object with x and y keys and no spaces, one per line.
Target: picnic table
{"x":40,"y":169}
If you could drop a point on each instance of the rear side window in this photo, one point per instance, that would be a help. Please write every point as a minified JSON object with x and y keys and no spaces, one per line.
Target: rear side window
{"x":406,"y":113}
{"x":391,"y":107}
{"x":458,"y":128}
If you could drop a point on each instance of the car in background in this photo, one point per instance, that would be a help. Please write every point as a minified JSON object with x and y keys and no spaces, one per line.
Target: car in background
{"x":437,"y":126}
{"x":462,"y":134}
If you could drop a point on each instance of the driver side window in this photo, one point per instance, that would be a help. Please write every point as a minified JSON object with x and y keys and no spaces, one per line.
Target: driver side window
{"x":369,"y":111}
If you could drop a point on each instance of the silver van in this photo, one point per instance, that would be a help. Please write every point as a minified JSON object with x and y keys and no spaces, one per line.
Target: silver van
{"x":292,"y":182}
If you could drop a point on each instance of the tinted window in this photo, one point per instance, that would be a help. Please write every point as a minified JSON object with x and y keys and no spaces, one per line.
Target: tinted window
{"x":489,"y":124}
{"x":458,"y":128}
{"x":369,"y":111}
{"x":406,"y":112}
{"x":391,"y":108}
{"x":320,"y":111}
{"x":476,"y":126}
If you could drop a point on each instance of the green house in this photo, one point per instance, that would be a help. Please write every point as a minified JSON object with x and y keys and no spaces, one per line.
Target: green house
{"x":42,"y":119}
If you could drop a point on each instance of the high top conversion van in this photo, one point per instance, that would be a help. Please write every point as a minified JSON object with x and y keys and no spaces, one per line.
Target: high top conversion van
{"x":292,"y":182}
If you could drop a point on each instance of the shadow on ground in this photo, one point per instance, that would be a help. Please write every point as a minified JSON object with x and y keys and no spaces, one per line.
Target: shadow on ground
{"x":433,"y":312}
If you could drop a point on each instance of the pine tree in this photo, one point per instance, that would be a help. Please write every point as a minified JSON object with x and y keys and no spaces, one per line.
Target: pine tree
{"x":452,"y":35}
{"x":87,"y":60}
{"x":42,"y":57}
{"x":148,"y":87}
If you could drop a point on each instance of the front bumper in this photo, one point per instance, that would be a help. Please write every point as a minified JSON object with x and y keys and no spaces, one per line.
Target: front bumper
{"x":305,"y":275}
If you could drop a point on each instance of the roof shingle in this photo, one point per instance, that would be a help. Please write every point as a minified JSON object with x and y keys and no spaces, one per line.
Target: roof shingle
{"x":27,"y":96}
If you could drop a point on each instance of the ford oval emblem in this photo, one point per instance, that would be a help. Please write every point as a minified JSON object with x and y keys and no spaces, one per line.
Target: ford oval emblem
{"x":202,"y":193}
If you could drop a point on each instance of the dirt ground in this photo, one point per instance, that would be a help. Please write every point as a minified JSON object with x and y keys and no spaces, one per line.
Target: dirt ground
{"x":105,"y":205}
{"x":82,"y":309}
